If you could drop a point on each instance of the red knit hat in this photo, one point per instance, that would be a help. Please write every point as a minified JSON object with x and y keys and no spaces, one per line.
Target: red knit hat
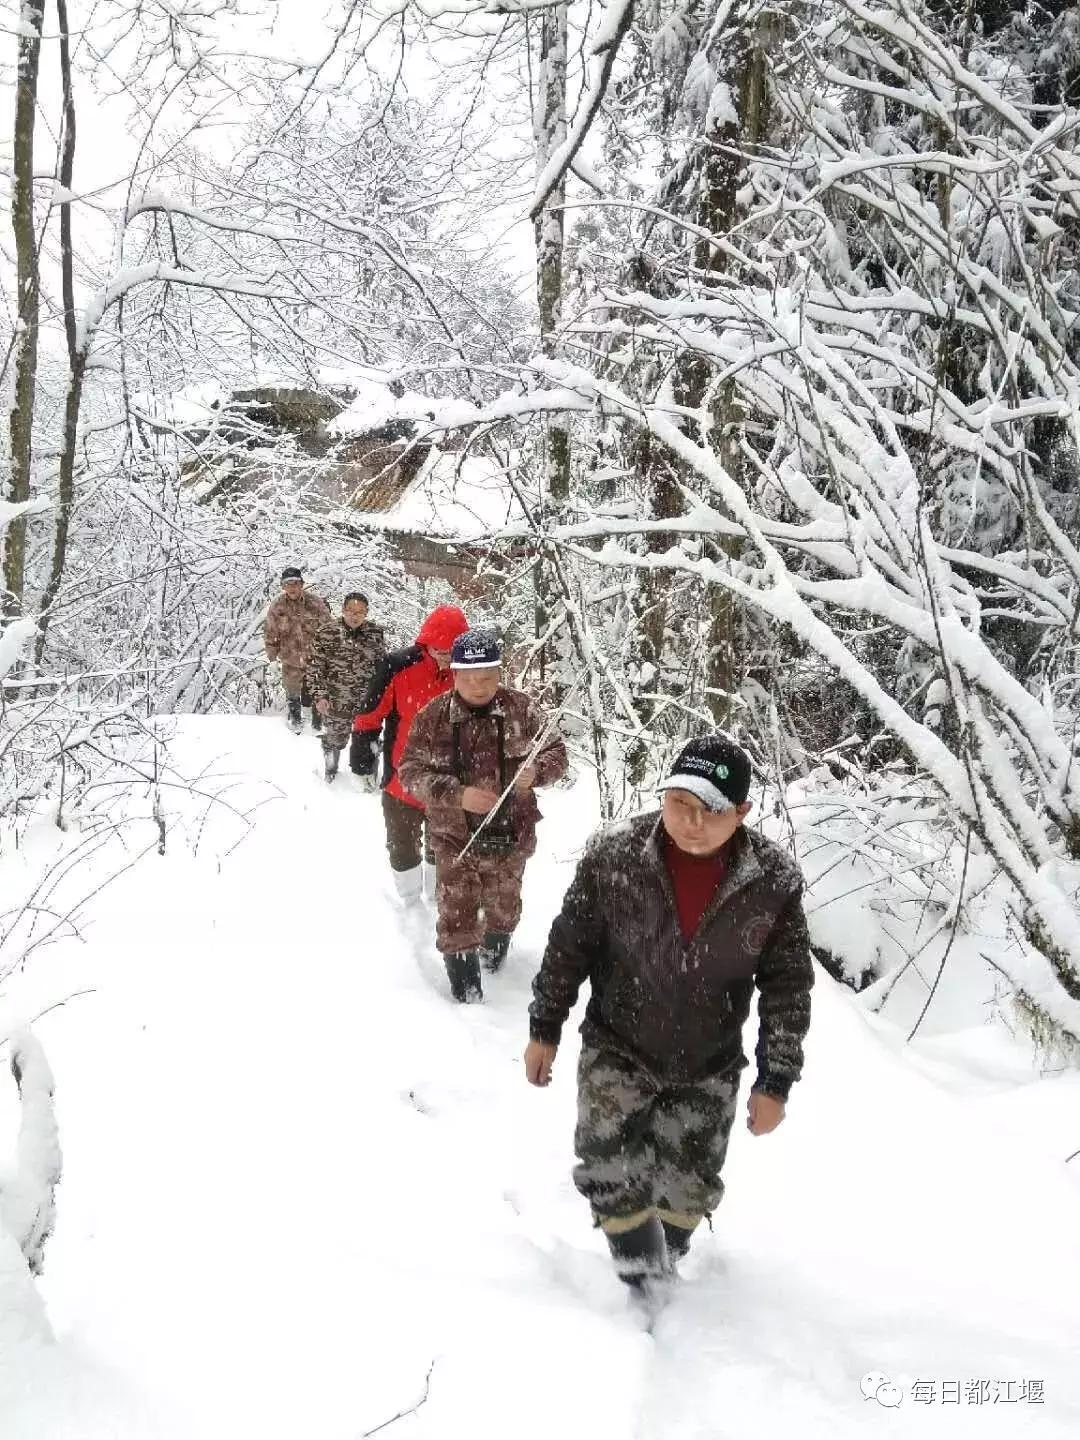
{"x":442,"y":627}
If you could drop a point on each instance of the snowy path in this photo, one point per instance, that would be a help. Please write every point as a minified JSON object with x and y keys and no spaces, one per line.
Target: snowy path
{"x":301,"y":1187}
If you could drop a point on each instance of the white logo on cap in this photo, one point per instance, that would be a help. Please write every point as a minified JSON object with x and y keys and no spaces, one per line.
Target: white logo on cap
{"x":696,"y":765}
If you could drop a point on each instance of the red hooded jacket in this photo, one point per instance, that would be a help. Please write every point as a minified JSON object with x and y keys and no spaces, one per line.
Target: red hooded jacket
{"x":401,"y":687}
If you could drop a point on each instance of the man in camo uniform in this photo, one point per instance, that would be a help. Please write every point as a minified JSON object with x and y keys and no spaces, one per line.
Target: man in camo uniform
{"x":292,"y":622}
{"x":675,"y":919}
{"x":344,"y":656}
{"x":464,"y":750}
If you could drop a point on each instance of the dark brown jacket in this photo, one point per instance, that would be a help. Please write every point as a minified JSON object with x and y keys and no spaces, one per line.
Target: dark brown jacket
{"x":428,"y":770}
{"x":675,"y":1006}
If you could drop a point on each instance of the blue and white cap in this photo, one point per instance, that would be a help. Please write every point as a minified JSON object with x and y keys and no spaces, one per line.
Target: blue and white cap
{"x":713,"y":768}
{"x":476,"y":649}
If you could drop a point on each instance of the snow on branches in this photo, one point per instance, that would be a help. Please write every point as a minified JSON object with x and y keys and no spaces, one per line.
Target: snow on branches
{"x":842,"y":388}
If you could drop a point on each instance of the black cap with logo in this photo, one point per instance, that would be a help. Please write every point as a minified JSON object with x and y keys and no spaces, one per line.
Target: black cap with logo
{"x":713,"y":768}
{"x":477,"y":648}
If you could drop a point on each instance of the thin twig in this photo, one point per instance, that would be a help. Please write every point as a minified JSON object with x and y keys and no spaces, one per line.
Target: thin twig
{"x":402,"y":1413}
{"x":952,"y":937}
{"x":56,"y":1005}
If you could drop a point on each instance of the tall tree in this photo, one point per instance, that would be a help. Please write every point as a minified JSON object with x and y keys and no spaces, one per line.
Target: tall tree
{"x":28,"y":284}
{"x":76,"y":353}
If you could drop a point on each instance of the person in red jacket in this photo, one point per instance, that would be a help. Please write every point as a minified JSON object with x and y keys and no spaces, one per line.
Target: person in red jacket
{"x":401,"y":687}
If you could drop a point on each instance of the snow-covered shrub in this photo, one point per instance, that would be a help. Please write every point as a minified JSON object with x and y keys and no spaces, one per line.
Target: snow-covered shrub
{"x":28,"y":1188}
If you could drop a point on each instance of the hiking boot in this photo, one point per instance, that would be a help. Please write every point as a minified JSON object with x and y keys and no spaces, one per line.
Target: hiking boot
{"x":331,"y":756}
{"x":293,"y":718}
{"x":493,"y":951}
{"x":640,"y":1254}
{"x":463,"y":972}
{"x":678,"y":1241}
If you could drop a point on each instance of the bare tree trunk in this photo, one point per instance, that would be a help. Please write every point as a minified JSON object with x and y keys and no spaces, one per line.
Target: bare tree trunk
{"x":727,"y":143}
{"x":76,"y":356}
{"x":651,"y":598}
{"x":549,"y":128}
{"x":550,"y":131}
{"x":27,"y":279}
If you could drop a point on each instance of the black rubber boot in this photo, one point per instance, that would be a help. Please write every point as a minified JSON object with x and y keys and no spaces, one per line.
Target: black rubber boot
{"x":640,"y":1254}
{"x":295,"y":719}
{"x":316,"y":721}
{"x":362,"y":755}
{"x":678,"y":1241}
{"x":331,"y":756}
{"x":463,"y":972}
{"x":493,"y":952}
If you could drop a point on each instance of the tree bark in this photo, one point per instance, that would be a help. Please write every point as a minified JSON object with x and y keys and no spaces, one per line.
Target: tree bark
{"x":76,"y":357}
{"x":727,"y":142}
{"x":28,"y":282}
{"x":549,"y":128}
{"x":550,"y":131}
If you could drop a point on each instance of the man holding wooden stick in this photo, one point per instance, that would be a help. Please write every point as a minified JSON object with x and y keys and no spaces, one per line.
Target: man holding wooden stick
{"x":474,"y":759}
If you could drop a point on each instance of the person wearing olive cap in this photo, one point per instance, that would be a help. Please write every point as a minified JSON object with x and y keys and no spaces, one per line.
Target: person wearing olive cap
{"x":675,"y":919}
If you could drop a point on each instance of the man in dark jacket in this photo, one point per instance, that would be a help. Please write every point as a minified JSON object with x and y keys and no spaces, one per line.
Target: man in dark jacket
{"x":465,"y":750}
{"x":404,"y":683}
{"x":344,"y":656}
{"x":674,"y":919}
{"x":292,"y":622}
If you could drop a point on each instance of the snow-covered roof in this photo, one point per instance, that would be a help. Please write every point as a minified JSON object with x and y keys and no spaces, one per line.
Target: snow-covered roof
{"x":457,"y":495}
{"x":375,"y":402}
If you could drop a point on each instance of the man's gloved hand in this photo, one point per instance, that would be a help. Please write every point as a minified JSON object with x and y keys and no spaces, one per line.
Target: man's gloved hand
{"x":363,"y":753}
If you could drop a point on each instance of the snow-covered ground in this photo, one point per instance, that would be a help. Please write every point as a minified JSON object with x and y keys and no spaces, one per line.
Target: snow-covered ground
{"x":304,"y":1193}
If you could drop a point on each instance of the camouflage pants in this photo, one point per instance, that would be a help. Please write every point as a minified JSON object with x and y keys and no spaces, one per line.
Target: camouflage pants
{"x":404,"y":832}
{"x":644,"y":1146}
{"x":337,"y":727}
{"x":292,"y":677}
{"x":474,"y":896}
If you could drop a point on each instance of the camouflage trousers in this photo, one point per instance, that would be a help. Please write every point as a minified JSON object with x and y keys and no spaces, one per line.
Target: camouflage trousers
{"x":475,"y":896}
{"x":646,"y":1147}
{"x":337,"y":727}
{"x":404,"y":833}
{"x":292,"y":677}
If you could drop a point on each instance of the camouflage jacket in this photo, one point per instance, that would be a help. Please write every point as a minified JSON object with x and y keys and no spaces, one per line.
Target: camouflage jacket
{"x":428,"y":771}
{"x":342,"y":663}
{"x":290,"y":628}
{"x":678,"y":1006}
